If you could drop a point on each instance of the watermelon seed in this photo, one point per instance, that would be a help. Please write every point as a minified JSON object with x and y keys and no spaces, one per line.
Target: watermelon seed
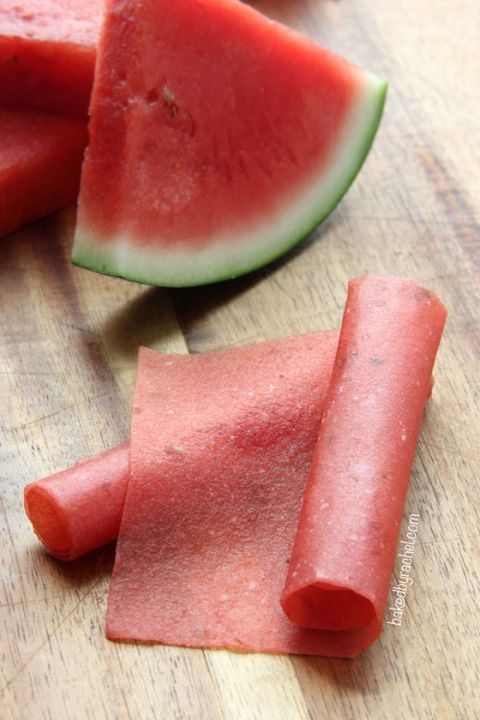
{"x":152,"y":97}
{"x":168,"y":96}
{"x":169,"y":102}
{"x":178,"y":450}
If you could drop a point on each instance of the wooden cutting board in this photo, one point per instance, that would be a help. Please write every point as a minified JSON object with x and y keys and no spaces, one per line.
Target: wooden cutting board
{"x":68,"y":346}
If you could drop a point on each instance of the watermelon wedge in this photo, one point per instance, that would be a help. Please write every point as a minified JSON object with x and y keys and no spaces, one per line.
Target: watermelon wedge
{"x":40,"y":161}
{"x":47,"y":53}
{"x":218,"y":140}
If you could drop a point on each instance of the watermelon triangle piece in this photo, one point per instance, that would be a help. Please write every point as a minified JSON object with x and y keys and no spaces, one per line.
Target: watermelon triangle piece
{"x":218,"y":140}
{"x":219,"y":459}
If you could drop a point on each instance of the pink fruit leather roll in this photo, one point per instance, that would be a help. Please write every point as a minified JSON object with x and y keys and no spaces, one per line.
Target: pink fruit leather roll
{"x":349,"y":525}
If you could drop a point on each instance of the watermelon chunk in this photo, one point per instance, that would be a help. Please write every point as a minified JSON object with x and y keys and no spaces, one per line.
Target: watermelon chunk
{"x":218,"y":139}
{"x":47,"y":53}
{"x":40,"y":160}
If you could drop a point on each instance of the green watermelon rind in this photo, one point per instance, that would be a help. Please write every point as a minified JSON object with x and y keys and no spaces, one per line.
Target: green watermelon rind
{"x":122,"y":258}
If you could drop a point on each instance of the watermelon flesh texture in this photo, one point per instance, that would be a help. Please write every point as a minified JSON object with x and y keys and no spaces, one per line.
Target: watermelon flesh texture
{"x":213,"y":155}
{"x":47,"y":53}
{"x":40,"y":161}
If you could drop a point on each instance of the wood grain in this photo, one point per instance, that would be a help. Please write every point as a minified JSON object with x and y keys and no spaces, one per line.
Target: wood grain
{"x":68,"y":348}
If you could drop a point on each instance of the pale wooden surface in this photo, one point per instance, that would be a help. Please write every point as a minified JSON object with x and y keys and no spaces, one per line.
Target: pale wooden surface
{"x":68,"y":349}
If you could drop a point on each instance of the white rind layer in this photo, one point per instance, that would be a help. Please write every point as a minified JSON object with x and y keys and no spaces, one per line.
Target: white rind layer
{"x":231,"y":255}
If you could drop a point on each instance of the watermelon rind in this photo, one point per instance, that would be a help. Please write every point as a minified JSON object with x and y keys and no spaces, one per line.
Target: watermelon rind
{"x":232,"y":255}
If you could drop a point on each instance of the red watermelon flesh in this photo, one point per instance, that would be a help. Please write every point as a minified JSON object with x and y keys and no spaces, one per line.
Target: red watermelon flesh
{"x":215,"y":491}
{"x":218,"y":139}
{"x":47,"y":53}
{"x":40,"y":159}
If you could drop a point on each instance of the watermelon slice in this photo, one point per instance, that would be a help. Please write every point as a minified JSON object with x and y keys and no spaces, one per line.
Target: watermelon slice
{"x":40,"y":160}
{"x":47,"y":53}
{"x":218,"y":139}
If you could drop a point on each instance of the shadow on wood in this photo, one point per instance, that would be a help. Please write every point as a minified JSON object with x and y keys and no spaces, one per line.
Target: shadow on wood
{"x":193,"y":304}
{"x":80,"y":573}
{"x":352,"y":677}
{"x":145,"y":320}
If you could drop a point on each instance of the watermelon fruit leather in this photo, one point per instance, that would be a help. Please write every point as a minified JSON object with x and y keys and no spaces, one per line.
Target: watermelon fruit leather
{"x":218,"y":139}
{"x":219,"y":460}
{"x":77,"y":510}
{"x":346,"y":544}
{"x":47,"y":53}
{"x":40,"y":160}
